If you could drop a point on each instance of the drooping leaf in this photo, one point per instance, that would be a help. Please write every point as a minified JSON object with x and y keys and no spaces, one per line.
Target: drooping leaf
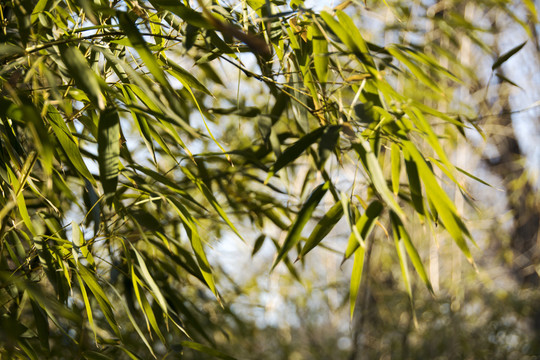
{"x":323,"y":227}
{"x":403,"y":240}
{"x":84,"y":77}
{"x":356,"y":278}
{"x":68,"y":143}
{"x":301,"y":220}
{"x":109,"y":149}
{"x":507,"y":55}
{"x":364,"y":226}
{"x":295,"y":150}
{"x":374,"y":171}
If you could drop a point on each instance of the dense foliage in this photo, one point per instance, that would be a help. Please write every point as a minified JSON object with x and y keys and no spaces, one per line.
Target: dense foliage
{"x":137,"y":134}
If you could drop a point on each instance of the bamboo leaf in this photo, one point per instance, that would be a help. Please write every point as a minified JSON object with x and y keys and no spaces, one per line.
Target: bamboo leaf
{"x":196,"y":244}
{"x":396,"y":167}
{"x":328,"y":143}
{"x":403,"y":240}
{"x":356,"y":277}
{"x":68,"y":143}
{"x":323,"y":227}
{"x":301,"y":220}
{"x":507,"y":55}
{"x":414,"y":184}
{"x":150,"y":282}
{"x":141,"y":46}
{"x":364,"y":226}
{"x":440,"y":200}
{"x":374,"y":171}
{"x":320,"y":54}
{"x":211,"y":199}
{"x":84,"y":77}
{"x":294,"y":151}
{"x":109,"y":149}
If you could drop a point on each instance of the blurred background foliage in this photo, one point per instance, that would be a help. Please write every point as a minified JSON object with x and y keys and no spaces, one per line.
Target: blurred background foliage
{"x":159,"y":158}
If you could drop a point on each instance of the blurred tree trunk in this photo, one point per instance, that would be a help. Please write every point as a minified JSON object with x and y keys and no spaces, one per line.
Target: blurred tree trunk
{"x":522,"y":198}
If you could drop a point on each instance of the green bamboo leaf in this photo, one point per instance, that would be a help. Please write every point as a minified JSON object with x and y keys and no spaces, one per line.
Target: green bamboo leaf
{"x":184,"y":76}
{"x":418,"y":118}
{"x":396,"y":167}
{"x":148,"y":311}
{"x":402,"y":238}
{"x":19,"y":197}
{"x":360,"y":46}
{"x":507,"y":55}
{"x":364,"y":226}
{"x":328,"y":143}
{"x":68,"y":143}
{"x":356,"y":277}
{"x":42,"y":325}
{"x":338,"y":29}
{"x":320,"y":54}
{"x":196,"y":244}
{"x":414,"y":184}
{"x":440,"y":200}
{"x":400,"y":249}
{"x":109,"y":149}
{"x":420,"y":74}
{"x":89,"y":280}
{"x":141,"y":46}
{"x":211,"y":199}
{"x":301,"y":220}
{"x":258,"y":244}
{"x":186,"y":13}
{"x":374,"y":171}
{"x":207,"y":350}
{"x":150,"y":282}
{"x":88,"y":307}
{"x":323,"y":227}
{"x":350,"y":216}
{"x":294,"y":151}
{"x":83,"y":75}
{"x":122,"y":301}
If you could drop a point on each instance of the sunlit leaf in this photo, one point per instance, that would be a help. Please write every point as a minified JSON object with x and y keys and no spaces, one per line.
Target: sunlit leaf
{"x":301,"y":220}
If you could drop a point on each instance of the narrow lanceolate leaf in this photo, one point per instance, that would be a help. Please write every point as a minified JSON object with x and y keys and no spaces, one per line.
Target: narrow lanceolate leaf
{"x":402,"y":239}
{"x":323,"y":227}
{"x":364,"y":226}
{"x":196,"y":244}
{"x":83,"y":75}
{"x":440,"y":200}
{"x":415,"y":69}
{"x":185,"y":77}
{"x":90,"y":280}
{"x":109,"y":149}
{"x":211,"y":199}
{"x":150,"y":282}
{"x":414,"y":185}
{"x":140,"y":45}
{"x":374,"y":171}
{"x":294,"y":151}
{"x":396,"y":167}
{"x":328,"y":143}
{"x":320,"y":54}
{"x":507,"y":55}
{"x":42,"y":324}
{"x":68,"y":143}
{"x":356,"y":277}
{"x":358,"y":41}
{"x":400,"y":249}
{"x":301,"y":220}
